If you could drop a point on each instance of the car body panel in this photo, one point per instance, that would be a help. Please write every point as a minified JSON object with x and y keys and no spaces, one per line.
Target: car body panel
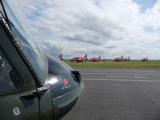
{"x":37,"y":96}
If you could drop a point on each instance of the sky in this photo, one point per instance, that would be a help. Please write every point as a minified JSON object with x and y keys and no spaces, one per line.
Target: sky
{"x":109,"y":28}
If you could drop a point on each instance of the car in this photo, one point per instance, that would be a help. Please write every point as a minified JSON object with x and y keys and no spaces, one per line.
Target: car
{"x":33,"y":85}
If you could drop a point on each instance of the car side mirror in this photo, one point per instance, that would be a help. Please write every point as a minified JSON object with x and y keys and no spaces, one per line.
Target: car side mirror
{"x":77,"y":76}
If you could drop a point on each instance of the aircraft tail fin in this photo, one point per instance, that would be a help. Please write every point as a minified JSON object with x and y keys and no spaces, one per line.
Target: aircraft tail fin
{"x":85,"y":57}
{"x":60,"y":57}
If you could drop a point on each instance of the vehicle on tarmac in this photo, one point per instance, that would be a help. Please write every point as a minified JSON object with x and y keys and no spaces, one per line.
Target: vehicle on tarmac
{"x":33,"y":85}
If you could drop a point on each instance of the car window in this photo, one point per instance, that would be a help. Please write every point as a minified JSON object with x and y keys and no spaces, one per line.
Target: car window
{"x":34,"y":55}
{"x":9,"y":79}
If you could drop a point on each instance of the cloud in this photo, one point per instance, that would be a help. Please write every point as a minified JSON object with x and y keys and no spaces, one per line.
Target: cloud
{"x":109,"y":28}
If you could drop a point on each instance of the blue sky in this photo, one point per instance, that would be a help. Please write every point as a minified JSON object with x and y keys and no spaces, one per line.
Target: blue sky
{"x":109,"y":28}
{"x":146,"y":4}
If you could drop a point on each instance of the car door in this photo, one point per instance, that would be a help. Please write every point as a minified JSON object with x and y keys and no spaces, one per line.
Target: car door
{"x":17,"y":101}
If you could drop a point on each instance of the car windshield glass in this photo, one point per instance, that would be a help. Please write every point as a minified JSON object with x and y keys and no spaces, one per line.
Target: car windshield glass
{"x":58,"y":67}
{"x":35,"y":56}
{"x":1,"y":10}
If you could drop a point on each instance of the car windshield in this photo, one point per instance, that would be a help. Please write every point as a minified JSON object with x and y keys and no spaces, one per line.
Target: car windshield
{"x":34,"y":55}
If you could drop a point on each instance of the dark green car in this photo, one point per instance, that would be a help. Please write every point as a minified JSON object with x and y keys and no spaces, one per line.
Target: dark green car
{"x":33,"y":85}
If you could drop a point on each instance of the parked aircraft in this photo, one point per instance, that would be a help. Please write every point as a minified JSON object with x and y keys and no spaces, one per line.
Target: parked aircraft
{"x":79,"y":59}
{"x":145,"y":59}
{"x":120,"y":59}
{"x":127,"y":59}
{"x":96,"y":59}
{"x":33,"y":85}
{"x":60,"y":57}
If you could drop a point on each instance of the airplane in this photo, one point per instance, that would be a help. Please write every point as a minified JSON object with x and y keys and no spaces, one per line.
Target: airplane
{"x":60,"y":57}
{"x":96,"y":59}
{"x":33,"y":85}
{"x":127,"y":59}
{"x":145,"y":59}
{"x":79,"y":59}
{"x":120,"y":59}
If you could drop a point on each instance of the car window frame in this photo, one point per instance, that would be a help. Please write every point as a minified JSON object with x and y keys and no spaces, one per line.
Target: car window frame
{"x":25,"y":72}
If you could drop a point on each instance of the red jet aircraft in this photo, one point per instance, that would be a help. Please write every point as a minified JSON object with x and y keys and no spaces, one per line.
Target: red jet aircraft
{"x":79,"y":59}
{"x":97,"y":59}
{"x":60,"y":57}
{"x":120,"y":59}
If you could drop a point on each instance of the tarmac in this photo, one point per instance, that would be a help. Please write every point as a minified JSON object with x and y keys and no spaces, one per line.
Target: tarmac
{"x":118,"y":94}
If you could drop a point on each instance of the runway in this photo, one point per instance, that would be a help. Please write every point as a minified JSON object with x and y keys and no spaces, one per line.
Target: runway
{"x":118,"y":94}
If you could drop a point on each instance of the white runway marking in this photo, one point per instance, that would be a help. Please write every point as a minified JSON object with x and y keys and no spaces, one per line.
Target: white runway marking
{"x":121,"y":74}
{"x":124,"y":76}
{"x":140,"y":77}
{"x":150,"y":81}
